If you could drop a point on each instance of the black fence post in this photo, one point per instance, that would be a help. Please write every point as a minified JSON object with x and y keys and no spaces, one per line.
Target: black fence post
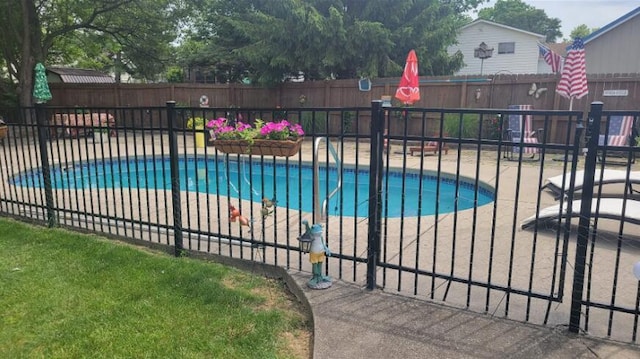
{"x":375,"y":193}
{"x":175,"y":178}
{"x":593,"y":132}
{"x":575,"y":154}
{"x":43,"y":132}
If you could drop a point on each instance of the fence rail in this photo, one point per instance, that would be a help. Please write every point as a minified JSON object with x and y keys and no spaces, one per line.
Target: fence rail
{"x":463,"y":206}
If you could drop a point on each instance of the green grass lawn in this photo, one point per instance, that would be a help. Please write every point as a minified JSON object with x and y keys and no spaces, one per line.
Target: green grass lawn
{"x":69,"y":295}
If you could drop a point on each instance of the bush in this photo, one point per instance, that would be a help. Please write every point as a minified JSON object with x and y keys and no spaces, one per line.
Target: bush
{"x":195,"y":122}
{"x":468,"y":126}
{"x":347,"y":121}
{"x":174,"y":74}
{"x":461,"y":125}
{"x":308,"y":122}
{"x":491,"y":127}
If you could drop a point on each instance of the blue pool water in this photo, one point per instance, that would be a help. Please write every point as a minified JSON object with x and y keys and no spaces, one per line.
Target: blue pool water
{"x":290,"y":184}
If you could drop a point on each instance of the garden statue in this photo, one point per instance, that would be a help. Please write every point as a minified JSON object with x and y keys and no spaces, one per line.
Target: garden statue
{"x":235,"y":215}
{"x":312,"y":242}
{"x":41,"y":93}
{"x":267,"y":206}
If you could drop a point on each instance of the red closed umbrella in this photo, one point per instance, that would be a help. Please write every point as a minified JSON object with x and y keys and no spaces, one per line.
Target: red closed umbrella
{"x":409,"y":89}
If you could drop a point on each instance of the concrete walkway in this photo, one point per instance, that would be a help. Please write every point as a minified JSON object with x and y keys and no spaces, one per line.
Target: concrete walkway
{"x":352,"y":322}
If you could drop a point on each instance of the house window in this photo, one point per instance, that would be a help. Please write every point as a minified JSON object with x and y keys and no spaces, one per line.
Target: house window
{"x":506,"y":47}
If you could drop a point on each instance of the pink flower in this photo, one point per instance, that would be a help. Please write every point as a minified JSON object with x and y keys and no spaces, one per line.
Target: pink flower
{"x":268,"y":128}
{"x":281,"y":130}
{"x":217,"y":123}
{"x":296,"y":128}
{"x":242,"y":126}
{"x":225,"y":129}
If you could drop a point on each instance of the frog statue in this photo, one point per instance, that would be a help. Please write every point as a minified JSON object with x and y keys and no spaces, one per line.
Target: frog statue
{"x":318,"y":251}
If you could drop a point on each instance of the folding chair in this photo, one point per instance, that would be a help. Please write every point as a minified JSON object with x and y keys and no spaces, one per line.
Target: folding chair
{"x":619,"y":133}
{"x":519,"y":133}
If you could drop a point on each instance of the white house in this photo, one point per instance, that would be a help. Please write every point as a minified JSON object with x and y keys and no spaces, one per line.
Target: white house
{"x":514,"y":51}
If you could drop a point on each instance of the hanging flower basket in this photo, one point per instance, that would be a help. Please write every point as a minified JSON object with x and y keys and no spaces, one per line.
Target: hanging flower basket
{"x":260,"y":147}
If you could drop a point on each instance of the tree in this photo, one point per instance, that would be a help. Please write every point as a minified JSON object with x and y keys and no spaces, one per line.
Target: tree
{"x":581,"y":31}
{"x":73,"y":31}
{"x":516,"y":13}
{"x":174,"y":74}
{"x":324,"y":39}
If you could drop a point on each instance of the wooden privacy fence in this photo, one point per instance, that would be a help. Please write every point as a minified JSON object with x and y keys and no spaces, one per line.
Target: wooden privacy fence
{"x":616,"y":91}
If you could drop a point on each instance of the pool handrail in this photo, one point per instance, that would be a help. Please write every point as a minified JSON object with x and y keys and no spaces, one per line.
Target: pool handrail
{"x":320,"y":211}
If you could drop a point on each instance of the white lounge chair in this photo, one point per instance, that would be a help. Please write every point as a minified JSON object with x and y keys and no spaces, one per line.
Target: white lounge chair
{"x":555,"y":184}
{"x":610,"y":208}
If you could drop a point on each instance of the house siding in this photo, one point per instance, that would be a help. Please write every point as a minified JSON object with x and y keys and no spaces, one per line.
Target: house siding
{"x":525,"y":59}
{"x":616,"y":51}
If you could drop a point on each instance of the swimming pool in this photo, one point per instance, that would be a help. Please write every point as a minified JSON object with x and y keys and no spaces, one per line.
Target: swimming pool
{"x":290,"y":184}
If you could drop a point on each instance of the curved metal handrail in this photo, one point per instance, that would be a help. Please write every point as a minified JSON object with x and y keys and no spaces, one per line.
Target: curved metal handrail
{"x":320,"y":211}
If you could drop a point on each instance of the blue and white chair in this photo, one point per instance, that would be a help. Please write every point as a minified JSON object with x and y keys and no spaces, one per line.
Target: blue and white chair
{"x":520,"y":134}
{"x":619,"y":134}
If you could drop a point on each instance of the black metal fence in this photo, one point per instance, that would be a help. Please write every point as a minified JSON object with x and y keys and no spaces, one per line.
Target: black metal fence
{"x":480,"y":210}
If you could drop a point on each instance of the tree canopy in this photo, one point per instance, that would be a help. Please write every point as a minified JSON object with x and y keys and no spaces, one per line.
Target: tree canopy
{"x":516,"y":13}
{"x":270,"y":41}
{"x":581,"y":31}
{"x":83,"y":32}
{"x":264,"y":41}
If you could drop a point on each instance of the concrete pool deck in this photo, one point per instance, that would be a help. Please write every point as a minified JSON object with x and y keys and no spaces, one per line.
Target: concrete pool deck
{"x":351,"y":322}
{"x":410,"y":242}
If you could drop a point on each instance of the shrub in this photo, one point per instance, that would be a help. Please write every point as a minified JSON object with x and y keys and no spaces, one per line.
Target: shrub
{"x":312,"y":124}
{"x":461,"y":125}
{"x":195,"y":122}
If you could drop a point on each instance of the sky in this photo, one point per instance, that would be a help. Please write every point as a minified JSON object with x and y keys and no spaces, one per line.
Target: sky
{"x":593,"y":13}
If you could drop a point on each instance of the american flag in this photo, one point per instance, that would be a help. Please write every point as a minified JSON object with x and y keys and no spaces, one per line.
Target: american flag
{"x":619,"y":131}
{"x":554,"y":60}
{"x":573,"y":82}
{"x":515,"y":127}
